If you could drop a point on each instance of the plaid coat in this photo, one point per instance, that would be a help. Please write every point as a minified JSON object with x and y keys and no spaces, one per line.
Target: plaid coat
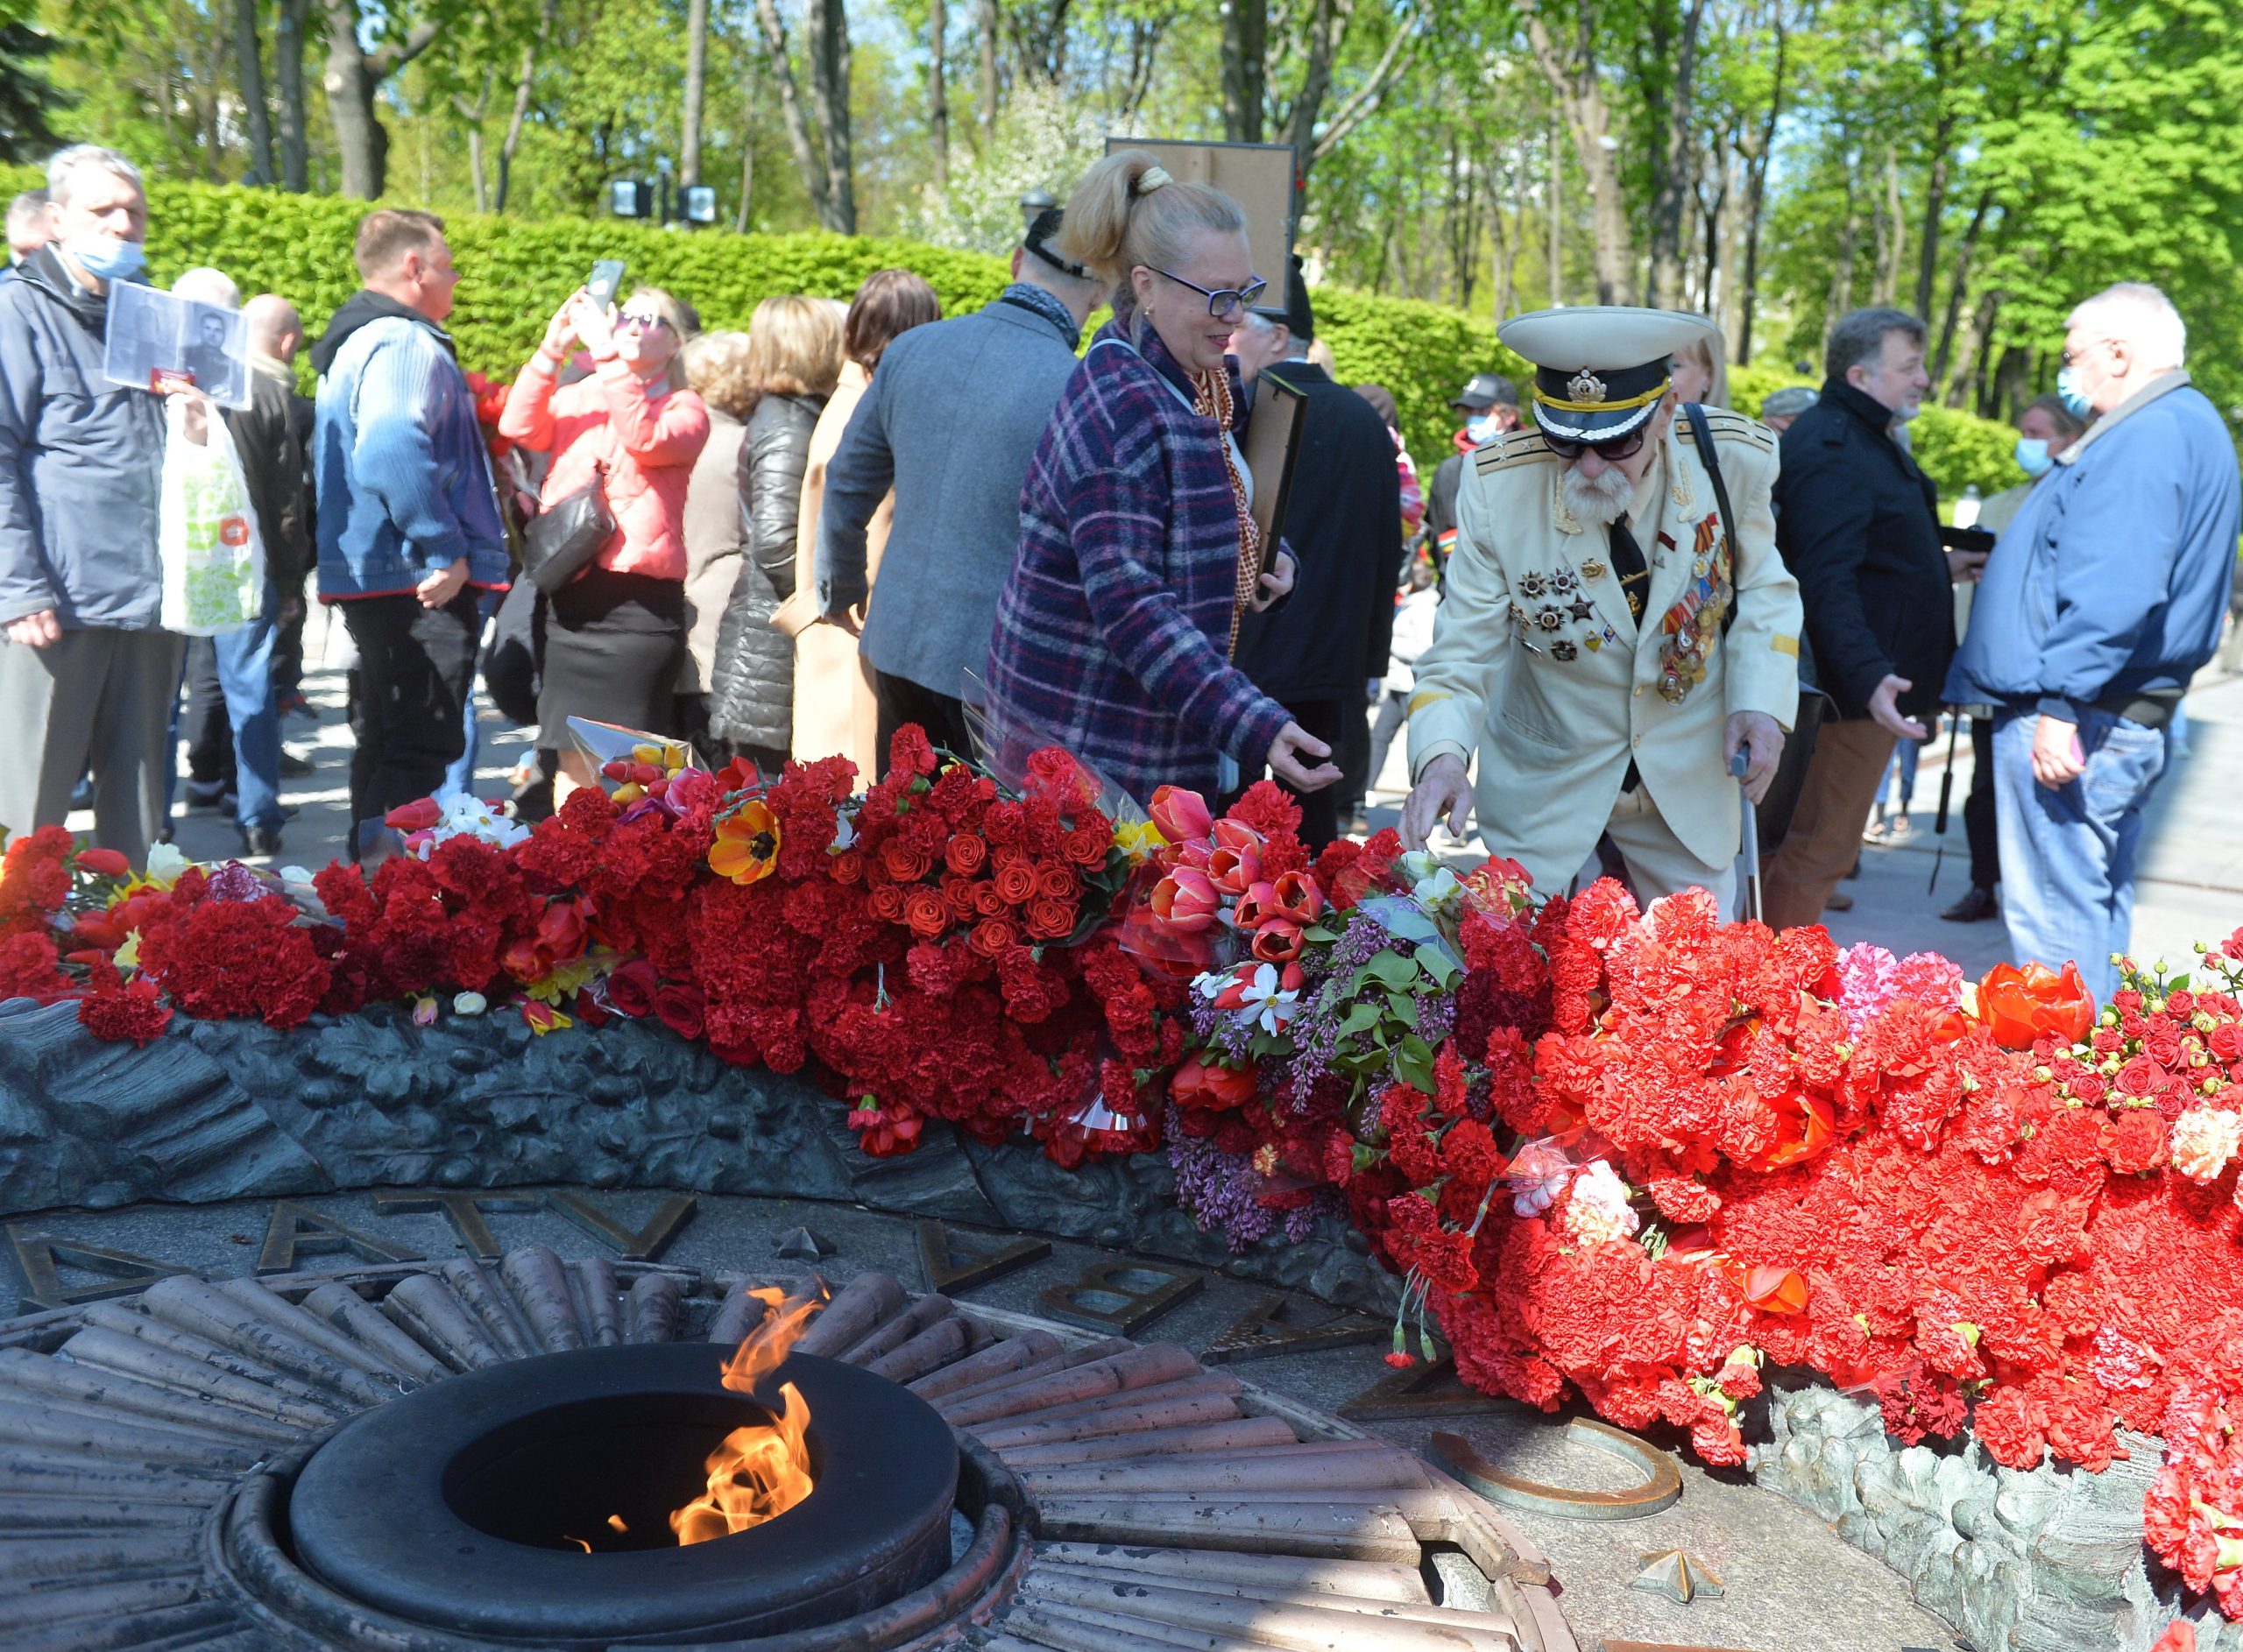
{"x":1112,"y":629}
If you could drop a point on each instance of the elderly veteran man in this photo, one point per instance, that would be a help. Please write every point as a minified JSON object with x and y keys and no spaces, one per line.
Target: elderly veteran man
{"x":1603,"y":645}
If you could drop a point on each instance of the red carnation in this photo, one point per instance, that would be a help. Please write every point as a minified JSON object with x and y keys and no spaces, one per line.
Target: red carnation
{"x":2135,"y":1144}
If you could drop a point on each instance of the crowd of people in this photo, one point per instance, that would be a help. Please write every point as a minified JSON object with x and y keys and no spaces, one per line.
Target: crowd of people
{"x":1614,"y":598}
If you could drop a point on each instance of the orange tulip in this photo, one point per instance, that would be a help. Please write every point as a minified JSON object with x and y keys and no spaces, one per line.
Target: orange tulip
{"x":746,"y":848}
{"x":2023,"y":1005}
{"x":1776,"y":1290}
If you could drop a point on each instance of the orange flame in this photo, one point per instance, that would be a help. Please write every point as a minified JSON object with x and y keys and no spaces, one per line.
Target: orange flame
{"x":760,"y":1472}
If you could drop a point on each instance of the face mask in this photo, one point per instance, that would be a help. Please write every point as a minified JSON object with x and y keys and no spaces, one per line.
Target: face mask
{"x":106,"y":257}
{"x":1486,"y":427}
{"x":2067,"y":386}
{"x":2032,"y":455}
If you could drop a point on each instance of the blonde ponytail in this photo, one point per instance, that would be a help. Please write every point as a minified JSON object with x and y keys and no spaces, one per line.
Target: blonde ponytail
{"x":1128,"y":210}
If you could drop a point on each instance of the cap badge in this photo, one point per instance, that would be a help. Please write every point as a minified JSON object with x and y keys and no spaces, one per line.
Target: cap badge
{"x":1585,"y":387}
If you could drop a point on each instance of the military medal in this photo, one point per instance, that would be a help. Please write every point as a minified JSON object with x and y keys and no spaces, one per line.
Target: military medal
{"x":1533,"y":587}
{"x":1563,"y":650}
{"x":1592,"y":570}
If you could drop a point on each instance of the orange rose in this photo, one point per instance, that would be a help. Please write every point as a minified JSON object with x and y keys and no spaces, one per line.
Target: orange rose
{"x":847,"y":867}
{"x":958,"y":895}
{"x":991,"y":936}
{"x":965,"y":854}
{"x":1015,"y":881}
{"x":2021,"y":1005}
{"x":1050,"y":920}
{"x":987,"y":901}
{"x":927,"y":913}
{"x":1055,"y":883}
{"x":905,"y":861}
{"x":886,"y":902}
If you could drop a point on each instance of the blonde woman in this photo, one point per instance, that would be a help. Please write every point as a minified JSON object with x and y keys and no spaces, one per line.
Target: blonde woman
{"x":1138,"y":552}
{"x":716,"y":366}
{"x":612,"y":634}
{"x":835,"y":707}
{"x":1700,"y":372}
{"x":794,"y":359}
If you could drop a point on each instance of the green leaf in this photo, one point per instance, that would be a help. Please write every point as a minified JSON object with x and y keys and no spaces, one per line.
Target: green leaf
{"x":1436,"y":963}
{"x":1358,"y":1019}
{"x":1397,"y":971}
{"x":1402,"y":1008}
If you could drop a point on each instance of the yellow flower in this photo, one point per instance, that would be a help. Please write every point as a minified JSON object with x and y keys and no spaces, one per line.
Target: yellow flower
{"x":543,"y":1019}
{"x":1139,"y":839}
{"x":747,"y":844}
{"x":127,"y":956}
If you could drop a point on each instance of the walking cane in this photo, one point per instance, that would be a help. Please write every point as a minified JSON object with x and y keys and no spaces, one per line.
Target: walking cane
{"x":1737,"y":764}
{"x":1946,"y":795}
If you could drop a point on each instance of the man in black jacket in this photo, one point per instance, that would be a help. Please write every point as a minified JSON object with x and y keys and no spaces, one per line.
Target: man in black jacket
{"x":1343,"y":519}
{"x":1859,"y":525}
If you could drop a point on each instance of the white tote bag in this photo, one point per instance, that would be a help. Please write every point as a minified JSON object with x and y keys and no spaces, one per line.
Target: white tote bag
{"x":213,"y":556}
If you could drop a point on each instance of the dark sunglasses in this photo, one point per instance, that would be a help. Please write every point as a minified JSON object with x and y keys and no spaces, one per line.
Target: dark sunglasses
{"x":1223,"y":300}
{"x":1626,"y":447}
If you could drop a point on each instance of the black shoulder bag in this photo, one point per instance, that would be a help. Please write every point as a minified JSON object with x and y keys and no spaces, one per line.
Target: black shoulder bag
{"x":567,"y":534}
{"x":1782,"y":801}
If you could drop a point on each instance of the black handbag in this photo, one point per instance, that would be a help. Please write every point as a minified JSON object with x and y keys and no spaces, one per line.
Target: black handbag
{"x":1776,"y":807}
{"x":565,"y":536}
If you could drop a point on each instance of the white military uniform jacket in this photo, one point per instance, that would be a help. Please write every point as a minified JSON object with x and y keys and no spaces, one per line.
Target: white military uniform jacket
{"x":1537,"y":666}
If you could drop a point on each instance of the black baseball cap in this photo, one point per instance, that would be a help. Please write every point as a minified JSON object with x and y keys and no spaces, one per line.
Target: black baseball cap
{"x":1484,"y":391}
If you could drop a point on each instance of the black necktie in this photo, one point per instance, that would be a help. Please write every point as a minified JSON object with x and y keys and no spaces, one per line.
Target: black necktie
{"x":1628,"y":563}
{"x":1635,"y":581}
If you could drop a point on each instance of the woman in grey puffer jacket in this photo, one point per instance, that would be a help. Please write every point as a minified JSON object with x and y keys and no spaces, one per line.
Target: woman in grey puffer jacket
{"x":794,"y":353}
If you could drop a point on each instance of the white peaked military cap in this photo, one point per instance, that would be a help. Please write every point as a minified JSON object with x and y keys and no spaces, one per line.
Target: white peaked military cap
{"x":1601,"y":368}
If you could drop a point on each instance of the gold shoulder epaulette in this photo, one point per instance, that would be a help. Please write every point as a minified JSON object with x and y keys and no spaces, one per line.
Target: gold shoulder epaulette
{"x":1520,"y":447}
{"x":1730,"y":426}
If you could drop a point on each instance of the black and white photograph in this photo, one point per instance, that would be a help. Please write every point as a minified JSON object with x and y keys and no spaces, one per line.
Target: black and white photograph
{"x":155,"y":335}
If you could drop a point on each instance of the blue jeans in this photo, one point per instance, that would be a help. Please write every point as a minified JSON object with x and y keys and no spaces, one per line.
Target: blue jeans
{"x":2068,"y":856}
{"x":253,"y":708}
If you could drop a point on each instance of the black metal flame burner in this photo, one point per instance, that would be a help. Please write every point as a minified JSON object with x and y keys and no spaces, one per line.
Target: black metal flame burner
{"x":455,"y":1506}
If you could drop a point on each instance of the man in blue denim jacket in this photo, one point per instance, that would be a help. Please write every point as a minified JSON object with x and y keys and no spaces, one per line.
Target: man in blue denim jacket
{"x":2103,"y":598}
{"x":409,"y":533}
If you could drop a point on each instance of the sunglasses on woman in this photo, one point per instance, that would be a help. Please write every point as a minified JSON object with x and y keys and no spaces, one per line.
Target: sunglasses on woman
{"x":644,"y":324}
{"x":1221,"y":301}
{"x":1619,"y":448}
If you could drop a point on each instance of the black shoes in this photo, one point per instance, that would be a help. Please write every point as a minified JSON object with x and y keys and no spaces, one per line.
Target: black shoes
{"x":1977,"y":906}
{"x":293,"y":767}
{"x":260,"y":841}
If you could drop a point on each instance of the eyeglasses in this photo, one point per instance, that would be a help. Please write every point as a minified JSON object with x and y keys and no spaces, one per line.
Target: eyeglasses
{"x":644,"y":324}
{"x":1619,"y":448}
{"x":1221,"y":301}
{"x":2068,"y":359}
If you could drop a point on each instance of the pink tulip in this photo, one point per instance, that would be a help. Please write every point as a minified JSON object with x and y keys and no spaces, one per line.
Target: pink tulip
{"x":1277,"y":942}
{"x":1297,"y":898}
{"x":1235,"y":870}
{"x":1185,"y":902}
{"x":1181,"y":815}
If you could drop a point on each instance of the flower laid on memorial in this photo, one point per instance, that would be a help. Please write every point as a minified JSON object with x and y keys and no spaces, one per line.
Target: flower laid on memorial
{"x":1648,"y":1157}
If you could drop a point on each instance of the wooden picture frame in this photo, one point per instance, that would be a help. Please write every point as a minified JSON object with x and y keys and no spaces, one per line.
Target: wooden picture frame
{"x":1272,"y":446}
{"x":1260,"y":177}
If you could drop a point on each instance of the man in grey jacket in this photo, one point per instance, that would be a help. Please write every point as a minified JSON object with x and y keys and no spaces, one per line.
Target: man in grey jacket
{"x":87,"y":678}
{"x":951,"y":423}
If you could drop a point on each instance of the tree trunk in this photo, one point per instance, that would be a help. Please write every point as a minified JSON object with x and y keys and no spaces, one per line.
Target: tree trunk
{"x":1892,"y":239}
{"x":1934,"y":205}
{"x":828,"y":45}
{"x":1756,"y":194}
{"x":937,"y":93}
{"x":1955,"y":292}
{"x":696,"y":82}
{"x":1666,"y":283}
{"x":790,"y":105}
{"x":1573,"y":79}
{"x":523,"y":83}
{"x":984,"y":33}
{"x":1557,"y":253}
{"x":352,"y":78}
{"x":1246,"y":26}
{"x":288,"y":73}
{"x":249,"y":63}
{"x":746,"y":169}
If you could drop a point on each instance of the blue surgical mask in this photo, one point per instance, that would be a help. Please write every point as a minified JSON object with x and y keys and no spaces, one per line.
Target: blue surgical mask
{"x":2032,"y":455}
{"x":2076,"y":400}
{"x":1486,"y":427}
{"x":107,"y":256}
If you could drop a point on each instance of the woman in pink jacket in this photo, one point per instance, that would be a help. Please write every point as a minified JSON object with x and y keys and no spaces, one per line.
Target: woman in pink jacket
{"x":613,"y":633}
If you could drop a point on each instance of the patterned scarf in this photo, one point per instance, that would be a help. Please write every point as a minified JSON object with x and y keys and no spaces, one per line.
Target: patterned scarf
{"x":1211,"y":399}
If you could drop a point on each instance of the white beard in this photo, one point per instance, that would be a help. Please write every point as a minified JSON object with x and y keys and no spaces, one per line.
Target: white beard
{"x":1602,"y":501}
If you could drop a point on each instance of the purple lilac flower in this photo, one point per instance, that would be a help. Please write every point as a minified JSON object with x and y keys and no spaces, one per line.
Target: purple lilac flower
{"x":1217,"y":1190}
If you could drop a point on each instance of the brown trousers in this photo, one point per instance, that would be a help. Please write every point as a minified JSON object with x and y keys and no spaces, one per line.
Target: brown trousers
{"x":1825,"y":836}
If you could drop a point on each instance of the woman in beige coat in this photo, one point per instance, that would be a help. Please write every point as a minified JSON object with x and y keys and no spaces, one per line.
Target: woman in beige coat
{"x":834,"y":709}
{"x":716,"y":366}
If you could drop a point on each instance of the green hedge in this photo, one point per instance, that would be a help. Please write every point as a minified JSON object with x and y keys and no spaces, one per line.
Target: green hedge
{"x":515,"y":272}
